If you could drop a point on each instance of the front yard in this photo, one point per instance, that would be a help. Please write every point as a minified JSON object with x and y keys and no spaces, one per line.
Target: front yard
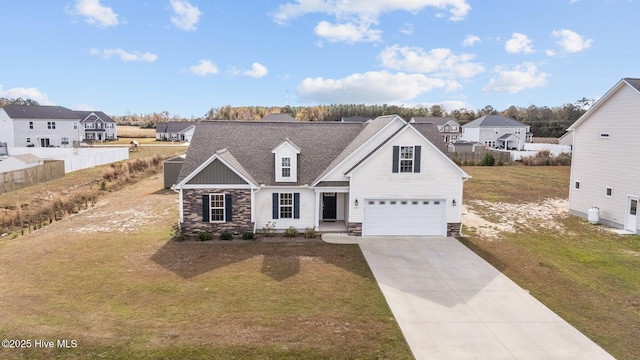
{"x":109,"y":278}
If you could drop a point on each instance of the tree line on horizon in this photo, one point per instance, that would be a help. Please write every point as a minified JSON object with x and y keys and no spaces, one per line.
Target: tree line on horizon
{"x":544,"y":121}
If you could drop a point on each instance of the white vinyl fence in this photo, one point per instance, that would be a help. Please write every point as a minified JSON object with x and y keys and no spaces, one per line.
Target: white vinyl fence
{"x":76,"y":158}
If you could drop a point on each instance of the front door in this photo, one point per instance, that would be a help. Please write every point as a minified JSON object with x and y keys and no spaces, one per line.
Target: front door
{"x":329,"y":206}
{"x":631,"y":219}
{"x":44,"y":142}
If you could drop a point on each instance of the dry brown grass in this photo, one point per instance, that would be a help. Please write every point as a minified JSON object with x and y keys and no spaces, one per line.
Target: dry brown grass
{"x":125,"y":131}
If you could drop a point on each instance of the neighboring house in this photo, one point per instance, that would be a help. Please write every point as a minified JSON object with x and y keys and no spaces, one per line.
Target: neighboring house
{"x":97,"y":125}
{"x":604,"y":169}
{"x":175,"y":131}
{"x":19,"y":162}
{"x":39,"y":126}
{"x":53,"y":126}
{"x":278,"y":118}
{"x":448,"y":126}
{"x":566,"y":139}
{"x":497,"y":131}
{"x":378,"y":178}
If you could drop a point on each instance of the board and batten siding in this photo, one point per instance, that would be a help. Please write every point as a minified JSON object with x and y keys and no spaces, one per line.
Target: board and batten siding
{"x":217,"y":173}
{"x":264,"y":208}
{"x":374,"y":179}
{"x":337,"y":174}
{"x":598,"y":163}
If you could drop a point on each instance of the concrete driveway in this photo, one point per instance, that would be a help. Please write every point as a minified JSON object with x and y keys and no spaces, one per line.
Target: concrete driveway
{"x":451,"y":304}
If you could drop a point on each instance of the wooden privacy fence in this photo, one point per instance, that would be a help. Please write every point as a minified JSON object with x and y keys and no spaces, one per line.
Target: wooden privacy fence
{"x":475,"y":158}
{"x":18,"y":179}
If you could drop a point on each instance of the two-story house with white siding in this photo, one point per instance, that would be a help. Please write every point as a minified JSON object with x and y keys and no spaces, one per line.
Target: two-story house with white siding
{"x":604,"y":167}
{"x":448,"y":127}
{"x":495,"y":131}
{"x":381,"y":177}
{"x":97,"y":125}
{"x":39,"y":126}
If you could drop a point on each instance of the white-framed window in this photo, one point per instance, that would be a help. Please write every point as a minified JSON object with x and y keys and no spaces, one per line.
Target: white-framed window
{"x":286,"y":205}
{"x":406,"y":159}
{"x":608,"y":191}
{"x":64,"y":140}
{"x":30,"y":125}
{"x":28,"y":140}
{"x":286,"y":167}
{"x":216,"y":202}
{"x":605,"y":135}
{"x":518,"y":131}
{"x":576,"y":185}
{"x":51,"y":125}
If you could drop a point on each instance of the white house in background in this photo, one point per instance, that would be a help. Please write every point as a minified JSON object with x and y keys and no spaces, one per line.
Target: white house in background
{"x":604,"y":167}
{"x":39,"y":126}
{"x":448,"y":126}
{"x":53,"y":126}
{"x":495,"y":131}
{"x":97,"y":125}
{"x":175,"y":131}
{"x":381,"y":177}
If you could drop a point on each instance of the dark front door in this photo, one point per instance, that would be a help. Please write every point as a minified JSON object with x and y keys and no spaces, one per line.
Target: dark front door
{"x":329,"y":206}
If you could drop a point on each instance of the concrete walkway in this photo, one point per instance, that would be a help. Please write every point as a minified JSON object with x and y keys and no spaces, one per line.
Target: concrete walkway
{"x":451,"y":304}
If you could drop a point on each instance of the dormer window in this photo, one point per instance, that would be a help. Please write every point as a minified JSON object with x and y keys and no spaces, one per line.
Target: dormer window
{"x":286,"y":167}
{"x":286,"y":161}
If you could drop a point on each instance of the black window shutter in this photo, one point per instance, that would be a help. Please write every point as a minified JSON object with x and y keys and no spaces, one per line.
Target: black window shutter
{"x":275,"y":205}
{"x":206,"y":210}
{"x":296,"y":205}
{"x":416,"y":159}
{"x":396,"y":159}
{"x":228,"y":209}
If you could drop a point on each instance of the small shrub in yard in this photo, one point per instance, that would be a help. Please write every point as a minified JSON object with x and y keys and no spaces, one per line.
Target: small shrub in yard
{"x":309,"y":233}
{"x":225,"y":235}
{"x":488,"y":159}
{"x":291,"y":232}
{"x":269,"y":228}
{"x":248,"y":235}
{"x":204,"y":236}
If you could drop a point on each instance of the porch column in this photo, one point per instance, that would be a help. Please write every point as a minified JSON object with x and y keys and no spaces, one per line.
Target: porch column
{"x":316,"y":219}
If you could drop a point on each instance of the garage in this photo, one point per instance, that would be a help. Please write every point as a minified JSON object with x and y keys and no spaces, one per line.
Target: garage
{"x":404,"y":217}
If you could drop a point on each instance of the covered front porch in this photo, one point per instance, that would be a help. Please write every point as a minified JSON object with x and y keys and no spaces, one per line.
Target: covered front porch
{"x":332,"y":210}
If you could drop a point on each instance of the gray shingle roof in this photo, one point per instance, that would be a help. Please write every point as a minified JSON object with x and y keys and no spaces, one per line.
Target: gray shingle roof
{"x":99,"y":114}
{"x":633,"y":82}
{"x":433,"y":120}
{"x":278,"y":118}
{"x":40,"y":112}
{"x":359,"y":119}
{"x":494,"y":121}
{"x":251,"y":143}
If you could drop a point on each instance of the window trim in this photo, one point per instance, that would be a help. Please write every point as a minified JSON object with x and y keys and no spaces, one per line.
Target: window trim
{"x":51,"y":125}
{"x":402,"y":159}
{"x":608,"y":191}
{"x":576,"y":185}
{"x":284,"y":167}
{"x":30,"y":125}
{"x":282,"y":206}
{"x":211,"y":208}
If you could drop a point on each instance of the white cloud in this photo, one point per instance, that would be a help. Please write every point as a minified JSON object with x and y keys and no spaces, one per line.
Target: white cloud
{"x":571,"y":41}
{"x":519,"y":44}
{"x":374,"y":87}
{"x":438,"y":62}
{"x":204,"y":68}
{"x":257,"y":71}
{"x":470,"y":40}
{"x":94,"y":13}
{"x":521,"y":77}
{"x":26,"y":93}
{"x":125,"y":56}
{"x":355,"y":18}
{"x":349,"y":32}
{"x":185,"y":16}
{"x":407,"y":29}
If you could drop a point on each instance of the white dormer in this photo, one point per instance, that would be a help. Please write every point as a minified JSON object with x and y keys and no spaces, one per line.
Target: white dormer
{"x":286,"y":161}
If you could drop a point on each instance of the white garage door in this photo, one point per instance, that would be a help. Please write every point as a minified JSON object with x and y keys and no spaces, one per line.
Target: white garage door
{"x":404,"y":217}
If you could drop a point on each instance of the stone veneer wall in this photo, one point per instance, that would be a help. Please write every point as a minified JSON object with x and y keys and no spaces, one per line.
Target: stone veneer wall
{"x":354,"y":229}
{"x":192,"y":212}
{"x":453,"y":229}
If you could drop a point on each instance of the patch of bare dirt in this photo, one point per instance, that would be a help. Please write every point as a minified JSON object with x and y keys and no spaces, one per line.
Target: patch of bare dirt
{"x":489,"y":219}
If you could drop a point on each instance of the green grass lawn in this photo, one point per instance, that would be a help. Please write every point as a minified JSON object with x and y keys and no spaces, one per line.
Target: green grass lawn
{"x":589,"y":276}
{"x":128,"y":292}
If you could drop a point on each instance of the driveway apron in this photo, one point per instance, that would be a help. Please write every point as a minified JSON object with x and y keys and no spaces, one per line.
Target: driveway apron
{"x":451,"y":304}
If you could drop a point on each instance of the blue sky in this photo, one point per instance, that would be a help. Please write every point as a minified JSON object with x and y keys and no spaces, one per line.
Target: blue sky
{"x":187,"y":56}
